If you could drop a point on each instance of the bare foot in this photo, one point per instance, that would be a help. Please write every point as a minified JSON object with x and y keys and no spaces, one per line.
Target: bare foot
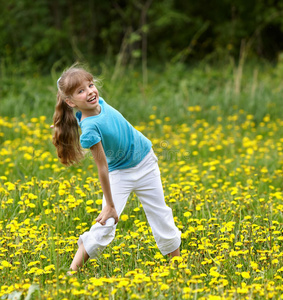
{"x":71,"y":273}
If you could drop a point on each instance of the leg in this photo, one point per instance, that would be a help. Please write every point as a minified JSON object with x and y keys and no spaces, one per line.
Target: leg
{"x":174,"y":253}
{"x":93,"y":242}
{"x":79,"y":259}
{"x":150,"y":192}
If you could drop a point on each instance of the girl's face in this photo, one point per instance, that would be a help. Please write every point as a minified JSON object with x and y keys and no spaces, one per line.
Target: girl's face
{"x":85,"y":98}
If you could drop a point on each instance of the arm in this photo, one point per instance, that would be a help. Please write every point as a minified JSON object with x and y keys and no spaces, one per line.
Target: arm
{"x":109,"y":210}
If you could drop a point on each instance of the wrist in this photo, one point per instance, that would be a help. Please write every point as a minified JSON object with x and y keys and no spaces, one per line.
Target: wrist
{"x":110,"y":204}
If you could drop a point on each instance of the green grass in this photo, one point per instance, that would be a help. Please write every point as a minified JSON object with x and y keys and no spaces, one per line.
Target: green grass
{"x":256,"y":88}
{"x":220,"y":155}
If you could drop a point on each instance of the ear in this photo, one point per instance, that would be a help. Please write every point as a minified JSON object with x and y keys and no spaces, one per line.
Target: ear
{"x":70,"y":103}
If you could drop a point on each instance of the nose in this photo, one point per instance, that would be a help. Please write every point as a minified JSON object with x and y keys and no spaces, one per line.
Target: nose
{"x":90,"y":90}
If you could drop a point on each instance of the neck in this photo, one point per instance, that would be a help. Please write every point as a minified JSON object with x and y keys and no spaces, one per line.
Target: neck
{"x":91,"y":113}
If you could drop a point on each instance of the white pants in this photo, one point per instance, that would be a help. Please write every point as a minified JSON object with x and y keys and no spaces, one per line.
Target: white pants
{"x":144,"y":180}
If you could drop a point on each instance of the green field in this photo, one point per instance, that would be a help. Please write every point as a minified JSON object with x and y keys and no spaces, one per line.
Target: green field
{"x":218,"y":134}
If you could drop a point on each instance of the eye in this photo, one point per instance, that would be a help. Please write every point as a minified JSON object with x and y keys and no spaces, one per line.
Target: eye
{"x":91,"y":85}
{"x":80,"y":91}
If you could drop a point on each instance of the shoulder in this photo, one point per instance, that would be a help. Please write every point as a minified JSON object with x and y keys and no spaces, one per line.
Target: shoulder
{"x":102,"y":101}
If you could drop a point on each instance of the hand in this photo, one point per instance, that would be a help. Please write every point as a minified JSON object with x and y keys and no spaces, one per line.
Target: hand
{"x":106,"y":213}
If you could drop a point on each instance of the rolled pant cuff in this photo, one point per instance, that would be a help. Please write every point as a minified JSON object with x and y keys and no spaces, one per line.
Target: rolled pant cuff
{"x":93,"y":252}
{"x":171,"y":246}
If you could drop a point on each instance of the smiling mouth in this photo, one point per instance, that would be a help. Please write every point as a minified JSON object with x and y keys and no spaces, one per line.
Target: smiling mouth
{"x":92,"y":99}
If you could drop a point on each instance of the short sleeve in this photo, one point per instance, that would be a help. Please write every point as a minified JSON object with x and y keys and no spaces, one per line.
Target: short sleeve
{"x":90,"y":138}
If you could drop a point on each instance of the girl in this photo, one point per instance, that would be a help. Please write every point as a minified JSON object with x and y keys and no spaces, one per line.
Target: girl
{"x":124,"y":159}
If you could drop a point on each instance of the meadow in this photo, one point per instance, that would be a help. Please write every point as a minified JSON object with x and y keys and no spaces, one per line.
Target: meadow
{"x":218,"y":135}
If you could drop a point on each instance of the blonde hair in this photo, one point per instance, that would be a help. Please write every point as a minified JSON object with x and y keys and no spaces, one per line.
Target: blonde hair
{"x":66,"y":137}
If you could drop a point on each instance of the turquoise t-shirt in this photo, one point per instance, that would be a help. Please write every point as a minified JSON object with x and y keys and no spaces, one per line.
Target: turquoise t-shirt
{"x":124,"y":146}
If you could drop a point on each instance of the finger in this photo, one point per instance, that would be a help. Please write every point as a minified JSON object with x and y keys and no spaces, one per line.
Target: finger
{"x":98,"y":219}
{"x":102,"y":222}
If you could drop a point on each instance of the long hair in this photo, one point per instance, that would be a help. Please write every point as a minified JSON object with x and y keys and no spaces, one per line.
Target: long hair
{"x":66,"y":137}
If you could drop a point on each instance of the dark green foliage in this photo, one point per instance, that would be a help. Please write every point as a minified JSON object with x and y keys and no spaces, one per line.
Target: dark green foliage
{"x":34,"y":35}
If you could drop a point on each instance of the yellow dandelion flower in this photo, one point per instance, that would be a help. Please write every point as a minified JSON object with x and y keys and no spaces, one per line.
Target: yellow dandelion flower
{"x":164,"y":287}
{"x":275,"y":261}
{"x":32,"y":270}
{"x":214,"y":297}
{"x":98,"y":201}
{"x":26,"y":286}
{"x":245,"y":275}
{"x":33,"y":263}
{"x":123,"y":283}
{"x":5,"y":264}
{"x":124,"y":217}
{"x":187,"y":290}
{"x":49,"y":268}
